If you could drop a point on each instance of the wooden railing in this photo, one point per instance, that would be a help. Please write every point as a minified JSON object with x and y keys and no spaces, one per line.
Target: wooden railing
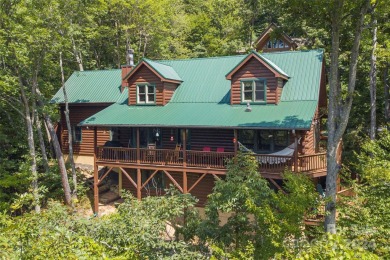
{"x":202,"y":159}
{"x":208,"y":159}
{"x":312,"y":162}
{"x":274,"y":163}
{"x":116,"y":154}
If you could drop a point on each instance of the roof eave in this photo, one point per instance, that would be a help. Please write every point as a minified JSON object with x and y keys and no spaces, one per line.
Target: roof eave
{"x":261,"y":60}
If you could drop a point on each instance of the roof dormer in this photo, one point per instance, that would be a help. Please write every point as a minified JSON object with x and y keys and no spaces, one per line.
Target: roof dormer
{"x":273,"y":39}
{"x":256,"y":80}
{"x":151,"y":83}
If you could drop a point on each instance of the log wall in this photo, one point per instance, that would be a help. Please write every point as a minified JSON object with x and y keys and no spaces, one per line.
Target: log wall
{"x":78,"y":113}
{"x":254,"y":69}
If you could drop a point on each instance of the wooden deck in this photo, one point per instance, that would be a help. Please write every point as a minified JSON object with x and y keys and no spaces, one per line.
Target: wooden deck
{"x":192,"y":171}
{"x":271,"y":166}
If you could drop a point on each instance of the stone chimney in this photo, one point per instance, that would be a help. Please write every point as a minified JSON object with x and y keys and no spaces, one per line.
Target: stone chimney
{"x":127,"y":68}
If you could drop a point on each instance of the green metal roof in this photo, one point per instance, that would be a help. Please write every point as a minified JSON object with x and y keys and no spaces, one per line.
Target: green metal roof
{"x":202,"y":99}
{"x":165,"y":71}
{"x":95,"y":86}
{"x":286,"y":115}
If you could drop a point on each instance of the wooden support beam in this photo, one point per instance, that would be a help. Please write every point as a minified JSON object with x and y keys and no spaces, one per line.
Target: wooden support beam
{"x":95,"y":176}
{"x":216,"y":176}
{"x":138,"y":151}
{"x":150,"y":177}
{"x":235,"y":142}
{"x":120,"y":180}
{"x":185,"y":183}
{"x":296,"y":152}
{"x":174,"y":181}
{"x":197,"y":181}
{"x":105,"y":175}
{"x":184,"y":139}
{"x":128,"y":177}
{"x":276,"y":185}
{"x":139,"y":184}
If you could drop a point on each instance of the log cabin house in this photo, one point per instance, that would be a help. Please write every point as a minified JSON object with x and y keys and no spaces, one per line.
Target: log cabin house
{"x":177,"y":121}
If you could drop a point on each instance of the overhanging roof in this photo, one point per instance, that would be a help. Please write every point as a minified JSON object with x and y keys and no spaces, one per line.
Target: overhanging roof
{"x":94,"y":86}
{"x":165,"y":72}
{"x":266,"y":62}
{"x":286,"y":115}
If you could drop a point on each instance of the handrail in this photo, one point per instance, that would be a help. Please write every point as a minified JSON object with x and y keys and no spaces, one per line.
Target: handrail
{"x":212,"y":159}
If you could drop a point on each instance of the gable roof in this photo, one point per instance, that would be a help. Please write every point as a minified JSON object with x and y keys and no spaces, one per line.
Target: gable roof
{"x":95,"y":86}
{"x":266,"y":62}
{"x":165,"y":72}
{"x":202,"y":100}
{"x":265,"y":35}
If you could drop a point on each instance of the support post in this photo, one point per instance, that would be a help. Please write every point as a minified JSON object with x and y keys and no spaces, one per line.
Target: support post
{"x":295,"y":152}
{"x":120,"y":182}
{"x":138,"y":151}
{"x":235,"y":142}
{"x":95,"y":175}
{"x":139,"y":184}
{"x":184,"y":139}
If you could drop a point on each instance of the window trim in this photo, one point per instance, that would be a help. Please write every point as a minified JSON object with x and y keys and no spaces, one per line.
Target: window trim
{"x":253,"y":101}
{"x":75,"y":140}
{"x":146,"y":103}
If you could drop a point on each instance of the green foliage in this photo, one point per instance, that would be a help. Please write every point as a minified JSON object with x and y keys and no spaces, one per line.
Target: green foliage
{"x":332,"y":247}
{"x":374,"y":159}
{"x":258,"y":216}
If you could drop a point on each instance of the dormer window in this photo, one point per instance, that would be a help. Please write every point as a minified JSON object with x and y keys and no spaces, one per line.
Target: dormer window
{"x":253,"y":90}
{"x":146,"y":94}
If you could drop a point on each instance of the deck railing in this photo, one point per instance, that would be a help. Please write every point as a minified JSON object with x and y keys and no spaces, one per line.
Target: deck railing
{"x":312,"y":162}
{"x":202,"y":159}
{"x":274,"y":163}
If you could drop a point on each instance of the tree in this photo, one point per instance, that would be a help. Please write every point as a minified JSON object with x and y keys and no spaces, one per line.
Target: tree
{"x":340,"y":103}
{"x":259,"y":218}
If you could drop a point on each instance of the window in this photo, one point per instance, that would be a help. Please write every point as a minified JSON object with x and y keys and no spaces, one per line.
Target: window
{"x":253,"y":90}
{"x":77,"y":134}
{"x":146,"y":94}
{"x":264,"y":141}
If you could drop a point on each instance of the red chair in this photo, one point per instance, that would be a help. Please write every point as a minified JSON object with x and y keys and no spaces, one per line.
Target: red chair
{"x":220,"y":150}
{"x":206,"y":149}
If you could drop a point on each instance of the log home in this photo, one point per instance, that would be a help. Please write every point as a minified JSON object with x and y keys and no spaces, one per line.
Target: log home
{"x":177,"y":121}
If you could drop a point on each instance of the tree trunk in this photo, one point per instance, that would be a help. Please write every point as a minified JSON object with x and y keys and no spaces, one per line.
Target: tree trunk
{"x":387,"y":93}
{"x":41,"y":143}
{"x":77,"y":55}
{"x":339,"y":109}
{"x":69,"y":127}
{"x":31,"y":146}
{"x":373,"y":79}
{"x":58,"y":153}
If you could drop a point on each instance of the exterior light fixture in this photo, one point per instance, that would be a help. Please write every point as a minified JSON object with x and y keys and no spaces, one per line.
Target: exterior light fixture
{"x":248,"y":107}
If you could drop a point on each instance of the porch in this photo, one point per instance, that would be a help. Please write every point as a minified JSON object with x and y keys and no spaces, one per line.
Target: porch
{"x":192,"y":165}
{"x":270,"y":166}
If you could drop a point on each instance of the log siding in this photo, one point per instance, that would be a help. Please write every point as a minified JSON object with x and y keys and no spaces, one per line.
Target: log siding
{"x":254,"y":69}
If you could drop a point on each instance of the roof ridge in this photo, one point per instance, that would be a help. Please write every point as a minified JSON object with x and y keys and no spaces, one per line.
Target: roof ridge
{"x":97,"y":70}
{"x":202,"y":58}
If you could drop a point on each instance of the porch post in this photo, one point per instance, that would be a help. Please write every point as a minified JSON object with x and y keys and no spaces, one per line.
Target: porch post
{"x":95,"y":174}
{"x":296,"y":152}
{"x":185,"y":188}
{"x":235,"y":142}
{"x":138,"y":151}
{"x":185,"y":147}
{"x":139,"y":184}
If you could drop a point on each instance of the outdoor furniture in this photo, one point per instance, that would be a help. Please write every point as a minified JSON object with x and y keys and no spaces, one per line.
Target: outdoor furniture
{"x":220,"y":150}
{"x":206,"y":149}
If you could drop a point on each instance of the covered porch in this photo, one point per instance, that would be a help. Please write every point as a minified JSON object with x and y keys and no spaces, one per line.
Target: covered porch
{"x":191,"y":159}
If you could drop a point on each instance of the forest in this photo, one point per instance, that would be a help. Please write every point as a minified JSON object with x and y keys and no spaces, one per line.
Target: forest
{"x":43,"y":41}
